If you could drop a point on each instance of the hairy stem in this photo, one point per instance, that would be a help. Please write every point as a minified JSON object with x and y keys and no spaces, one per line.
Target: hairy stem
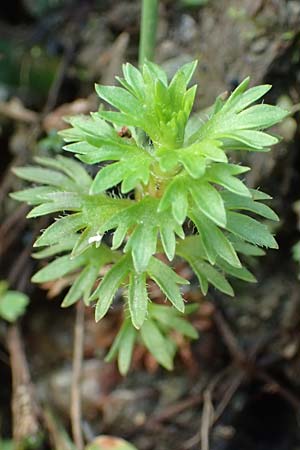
{"x":148,"y":30}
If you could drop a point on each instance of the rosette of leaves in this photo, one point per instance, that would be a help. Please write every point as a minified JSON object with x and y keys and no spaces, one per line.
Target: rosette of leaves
{"x":167,"y":174}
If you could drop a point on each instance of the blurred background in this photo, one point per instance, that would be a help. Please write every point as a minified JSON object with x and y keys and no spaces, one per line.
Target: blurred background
{"x":238,"y":386}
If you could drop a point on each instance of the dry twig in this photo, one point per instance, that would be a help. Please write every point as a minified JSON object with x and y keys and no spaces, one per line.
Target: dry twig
{"x":248,"y":364}
{"x":24,"y":407}
{"x":76,"y":377}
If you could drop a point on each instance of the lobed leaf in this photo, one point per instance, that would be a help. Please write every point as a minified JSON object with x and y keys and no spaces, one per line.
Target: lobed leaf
{"x":167,"y":280}
{"x":208,"y":200}
{"x":137,"y":299}
{"x":108,"y":287}
{"x":250,"y":230}
{"x":157,"y":344}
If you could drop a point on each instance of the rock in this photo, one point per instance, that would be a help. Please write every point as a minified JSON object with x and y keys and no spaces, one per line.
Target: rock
{"x":109,"y":443}
{"x":56,"y":388}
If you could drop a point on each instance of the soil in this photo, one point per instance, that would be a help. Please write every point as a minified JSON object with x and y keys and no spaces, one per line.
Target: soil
{"x":238,"y":386}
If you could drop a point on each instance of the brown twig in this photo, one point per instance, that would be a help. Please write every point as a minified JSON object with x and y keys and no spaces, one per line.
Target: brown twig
{"x":207,"y":416}
{"x":235,"y":350}
{"x":247,"y":363}
{"x":60,"y":75}
{"x":175,"y":409}
{"x":58,"y":436}
{"x":24,"y":406}
{"x":11,"y":228}
{"x":20,"y":271}
{"x":76,"y":377}
{"x":14,"y":109}
{"x":285,"y":393}
{"x":233,"y":387}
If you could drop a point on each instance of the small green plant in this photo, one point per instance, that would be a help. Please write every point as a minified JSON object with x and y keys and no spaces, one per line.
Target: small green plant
{"x":162,"y":190}
{"x":12,"y":303}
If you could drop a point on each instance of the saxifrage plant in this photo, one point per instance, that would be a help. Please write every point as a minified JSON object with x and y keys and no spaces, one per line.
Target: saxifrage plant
{"x":163,"y":189}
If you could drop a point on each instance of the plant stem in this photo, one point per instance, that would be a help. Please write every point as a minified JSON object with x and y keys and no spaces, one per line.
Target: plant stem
{"x":148,"y":30}
{"x":76,"y":377}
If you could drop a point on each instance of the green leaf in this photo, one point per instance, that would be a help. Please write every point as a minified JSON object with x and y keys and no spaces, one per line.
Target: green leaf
{"x":142,"y":221}
{"x":175,"y":198}
{"x":133,"y":169}
{"x":209,"y":201}
{"x":259,"y":195}
{"x":156,"y":72}
{"x":61,"y":229}
{"x":232,"y":121}
{"x":71,"y":168}
{"x":142,"y":244}
{"x":254,"y":139}
{"x":108,"y":287}
{"x":126,"y":347}
{"x":33,"y":196}
{"x":123,"y":346}
{"x":237,"y":202}
{"x":134,"y":79}
{"x":12,"y":305}
{"x":188,"y":70}
{"x":82,"y":286}
{"x":157,"y":345}
{"x":121,"y":118}
{"x":250,"y":230}
{"x":260,"y":117}
{"x":213,"y":276}
{"x":238,"y":272}
{"x":45,"y":176}
{"x":120,"y":98}
{"x":224,"y":175}
{"x":167,"y":280}
{"x":168,"y":238}
{"x":244,"y":247}
{"x":108,"y":177}
{"x":215,"y":242}
{"x":57,"y":201}
{"x":194,"y":157}
{"x":170,"y":319}
{"x":58,"y":268}
{"x":238,"y":102}
{"x":113,"y":351}
{"x":61,"y":247}
{"x":137,"y":299}
{"x":211,"y":149}
{"x":237,"y":94}
{"x":192,"y":250}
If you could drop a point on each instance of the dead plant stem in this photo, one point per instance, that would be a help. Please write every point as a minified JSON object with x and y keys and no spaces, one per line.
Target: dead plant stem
{"x":76,"y":407}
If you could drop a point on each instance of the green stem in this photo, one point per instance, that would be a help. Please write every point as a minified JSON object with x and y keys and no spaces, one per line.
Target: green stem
{"x":148,"y":30}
